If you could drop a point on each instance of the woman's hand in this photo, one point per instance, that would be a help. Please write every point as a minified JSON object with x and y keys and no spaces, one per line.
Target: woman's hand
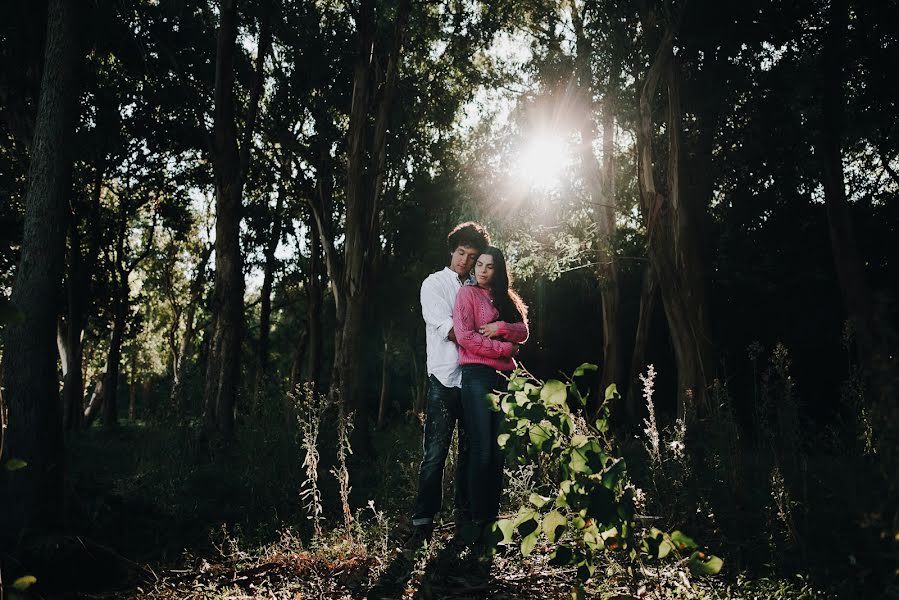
{"x":490,"y":330}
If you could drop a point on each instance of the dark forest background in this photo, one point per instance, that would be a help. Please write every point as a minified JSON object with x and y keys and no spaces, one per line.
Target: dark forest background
{"x":205,"y":204}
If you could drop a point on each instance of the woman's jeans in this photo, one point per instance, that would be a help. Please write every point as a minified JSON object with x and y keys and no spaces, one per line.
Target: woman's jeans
{"x":485,"y":460}
{"x":443,"y":412}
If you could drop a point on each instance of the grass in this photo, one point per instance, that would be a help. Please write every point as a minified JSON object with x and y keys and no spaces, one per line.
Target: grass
{"x":189,"y":522}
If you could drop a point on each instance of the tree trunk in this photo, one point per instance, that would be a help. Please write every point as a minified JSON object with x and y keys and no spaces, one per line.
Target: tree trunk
{"x":132,"y":388}
{"x":299,"y":357}
{"x":674,"y":232}
{"x":314,"y":309}
{"x":850,"y":269}
{"x":265,"y":309}
{"x":114,"y":361}
{"x":648,"y":294}
{"x":385,"y":382}
{"x":73,"y":382}
{"x":95,"y":401}
{"x":600,"y":183}
{"x":33,"y":497}
{"x":78,"y":293}
{"x":609,"y":286}
{"x":182,"y":360}
{"x":230,"y":165}
{"x":374,"y":84}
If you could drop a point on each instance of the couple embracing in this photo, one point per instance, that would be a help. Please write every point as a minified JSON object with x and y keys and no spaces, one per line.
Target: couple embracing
{"x":474,"y":325}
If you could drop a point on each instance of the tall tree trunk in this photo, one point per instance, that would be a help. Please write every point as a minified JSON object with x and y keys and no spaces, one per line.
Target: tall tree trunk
{"x":314,"y":309}
{"x":648,"y":294}
{"x":78,"y":294}
{"x":374,"y":84}
{"x":265,"y":309}
{"x":73,"y":382}
{"x":132,"y":387}
{"x":850,"y":269}
{"x":609,"y":287}
{"x":114,"y":360}
{"x":674,"y":232}
{"x":33,"y":497}
{"x":385,"y":382}
{"x":600,"y":182}
{"x":230,"y":166}
{"x":182,"y":357}
{"x":95,"y":401}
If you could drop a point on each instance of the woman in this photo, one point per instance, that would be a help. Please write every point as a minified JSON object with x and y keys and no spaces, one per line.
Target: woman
{"x":490,"y":321}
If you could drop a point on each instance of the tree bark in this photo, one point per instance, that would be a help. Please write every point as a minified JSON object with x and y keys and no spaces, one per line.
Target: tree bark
{"x":182,"y":357}
{"x":374,"y":84}
{"x":648,"y":294}
{"x":315,"y":291}
{"x":230,"y":165}
{"x":33,"y":497}
{"x":674,"y":232}
{"x":265,"y":308}
{"x":850,"y":269}
{"x":385,"y":382}
{"x":600,"y":183}
{"x":114,"y":360}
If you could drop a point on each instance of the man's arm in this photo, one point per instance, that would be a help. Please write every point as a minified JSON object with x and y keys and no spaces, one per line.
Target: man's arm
{"x":436,"y":309}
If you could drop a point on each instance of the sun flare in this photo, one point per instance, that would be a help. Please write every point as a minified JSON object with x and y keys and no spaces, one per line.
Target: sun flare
{"x":542,"y":161}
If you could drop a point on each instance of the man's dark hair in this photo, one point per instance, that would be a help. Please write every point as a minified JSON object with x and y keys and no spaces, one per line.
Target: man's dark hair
{"x":471,"y":234}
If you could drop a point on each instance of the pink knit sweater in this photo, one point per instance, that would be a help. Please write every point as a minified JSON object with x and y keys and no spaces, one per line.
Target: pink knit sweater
{"x":474,"y":308}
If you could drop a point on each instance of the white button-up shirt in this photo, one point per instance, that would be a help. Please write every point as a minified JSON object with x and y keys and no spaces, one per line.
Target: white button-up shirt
{"x":438,"y":296}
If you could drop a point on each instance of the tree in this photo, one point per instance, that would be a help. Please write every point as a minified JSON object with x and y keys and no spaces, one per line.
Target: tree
{"x":673,"y":220}
{"x":33,"y":496}
{"x":230,"y":161}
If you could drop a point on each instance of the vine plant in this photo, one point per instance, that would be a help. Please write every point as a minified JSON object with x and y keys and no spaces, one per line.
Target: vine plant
{"x":591,"y":509}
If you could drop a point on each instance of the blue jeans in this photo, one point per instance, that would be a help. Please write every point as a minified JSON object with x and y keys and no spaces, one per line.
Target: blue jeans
{"x":444,"y":410}
{"x":485,"y":466}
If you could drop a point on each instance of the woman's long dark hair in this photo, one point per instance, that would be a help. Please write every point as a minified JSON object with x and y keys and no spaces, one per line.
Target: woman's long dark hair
{"x":506,"y":300}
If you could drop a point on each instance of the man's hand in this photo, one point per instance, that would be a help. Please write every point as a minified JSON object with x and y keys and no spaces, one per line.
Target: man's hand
{"x":490,"y":330}
{"x":451,"y":336}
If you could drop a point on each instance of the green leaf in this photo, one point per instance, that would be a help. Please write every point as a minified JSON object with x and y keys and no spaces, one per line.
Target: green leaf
{"x":538,"y":435}
{"x":529,"y":541}
{"x":682,"y":541}
{"x":502,"y":439}
{"x":601,"y":505}
{"x":506,"y":526}
{"x":525,"y":514}
{"x":584,"y":368}
{"x":611,"y":391}
{"x":577,"y":463}
{"x":585,"y":570}
{"x":554,"y":525}
{"x":561,"y":556}
{"x":24,"y":582}
{"x":494,"y":401}
{"x":665,"y":548}
{"x":526,"y":528}
{"x":554,"y":392}
{"x":538,"y":500}
{"x":14,"y":464}
{"x":579,"y":440}
{"x":705,"y":564}
{"x":516,"y":383}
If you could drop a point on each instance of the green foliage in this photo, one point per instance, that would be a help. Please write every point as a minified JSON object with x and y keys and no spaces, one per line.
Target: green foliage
{"x":24,"y":582}
{"x":592,"y":507}
{"x":14,"y":464}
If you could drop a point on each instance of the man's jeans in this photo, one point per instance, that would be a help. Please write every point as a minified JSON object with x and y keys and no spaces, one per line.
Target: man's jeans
{"x":444,"y":410}
{"x":485,"y":467}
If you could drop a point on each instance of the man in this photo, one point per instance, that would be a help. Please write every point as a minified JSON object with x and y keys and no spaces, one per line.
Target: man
{"x":444,"y":403}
